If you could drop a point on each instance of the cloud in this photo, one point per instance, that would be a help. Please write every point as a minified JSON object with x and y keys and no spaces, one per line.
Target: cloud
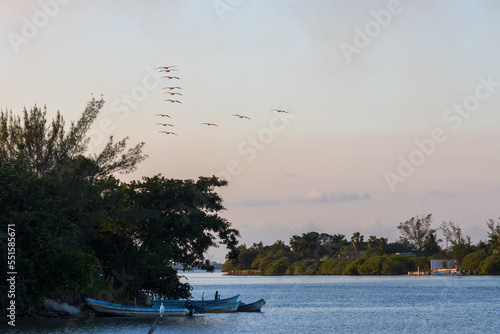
{"x":257,"y":201}
{"x":312,"y":196}
{"x":316,"y":196}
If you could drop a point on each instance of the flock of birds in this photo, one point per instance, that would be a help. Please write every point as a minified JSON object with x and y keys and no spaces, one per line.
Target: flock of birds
{"x":172,"y":92}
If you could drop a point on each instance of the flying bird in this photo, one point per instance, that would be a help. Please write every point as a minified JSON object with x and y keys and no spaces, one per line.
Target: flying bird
{"x":164,"y":69}
{"x":209,"y":124}
{"x":170,"y":88}
{"x":241,"y":116}
{"x":169,"y":133}
{"x":164,"y":124}
{"x":279,"y":110}
{"x":172,"y":93}
{"x":173,"y":101}
{"x":167,"y":68}
{"x":171,"y":77}
{"x":163,"y":115}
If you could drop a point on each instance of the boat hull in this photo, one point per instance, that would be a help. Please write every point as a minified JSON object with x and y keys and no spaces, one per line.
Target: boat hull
{"x":135,"y":311}
{"x":252,"y":307}
{"x":201,"y":303}
{"x":227,"y":308}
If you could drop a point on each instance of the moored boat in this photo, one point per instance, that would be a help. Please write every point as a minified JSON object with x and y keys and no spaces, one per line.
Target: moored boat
{"x":226,"y":308}
{"x":201,"y":303}
{"x":252,"y":307}
{"x":135,"y":311}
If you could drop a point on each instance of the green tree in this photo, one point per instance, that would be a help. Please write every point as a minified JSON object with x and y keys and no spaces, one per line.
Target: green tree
{"x":415,"y":230}
{"x":357,"y":241}
{"x":494,"y":235}
{"x":155,"y":223}
{"x":44,"y":235}
{"x":431,"y":244}
{"x":49,"y":149}
{"x":472,"y":260}
{"x":490,"y":265}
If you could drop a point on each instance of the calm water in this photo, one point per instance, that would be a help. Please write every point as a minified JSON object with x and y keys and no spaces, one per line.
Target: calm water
{"x":325,"y":304}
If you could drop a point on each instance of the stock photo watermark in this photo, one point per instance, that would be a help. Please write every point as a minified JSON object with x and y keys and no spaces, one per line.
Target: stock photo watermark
{"x":452,"y":117}
{"x":223,"y":6}
{"x":252,"y":145}
{"x":372,"y":29}
{"x":30,"y":28}
{"x":11,"y":274}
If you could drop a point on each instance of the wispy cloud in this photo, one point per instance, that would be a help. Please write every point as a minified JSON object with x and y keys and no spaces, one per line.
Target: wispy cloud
{"x":312,"y":196}
{"x":316,"y":196}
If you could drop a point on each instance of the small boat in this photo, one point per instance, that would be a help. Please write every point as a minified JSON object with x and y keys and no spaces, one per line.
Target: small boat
{"x":226,"y":308}
{"x":252,"y":307}
{"x":201,"y":303}
{"x":135,"y":311}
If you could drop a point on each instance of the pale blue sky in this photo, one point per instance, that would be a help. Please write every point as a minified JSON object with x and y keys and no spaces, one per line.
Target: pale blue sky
{"x":323,"y":168}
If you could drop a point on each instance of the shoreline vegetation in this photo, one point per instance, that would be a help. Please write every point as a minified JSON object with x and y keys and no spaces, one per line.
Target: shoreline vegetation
{"x":316,"y":253}
{"x":72,"y":230}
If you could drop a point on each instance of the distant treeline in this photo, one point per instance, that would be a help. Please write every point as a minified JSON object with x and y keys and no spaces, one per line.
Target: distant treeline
{"x":324,"y":254}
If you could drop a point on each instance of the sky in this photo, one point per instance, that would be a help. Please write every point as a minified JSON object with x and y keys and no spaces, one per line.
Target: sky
{"x":393,"y":107}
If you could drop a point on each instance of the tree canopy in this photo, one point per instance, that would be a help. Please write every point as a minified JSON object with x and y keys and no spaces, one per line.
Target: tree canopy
{"x":79,"y":228}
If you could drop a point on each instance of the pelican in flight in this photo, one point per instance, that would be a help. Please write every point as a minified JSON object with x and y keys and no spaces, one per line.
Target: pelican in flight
{"x":168,"y":77}
{"x":173,"y":101}
{"x":163,"y":115}
{"x":209,"y":124}
{"x":164,"y":124}
{"x":241,"y":116}
{"x":167,"y":68}
{"x":172,"y":93}
{"x":169,"y":133}
{"x":279,"y":110}
{"x":170,"y":88}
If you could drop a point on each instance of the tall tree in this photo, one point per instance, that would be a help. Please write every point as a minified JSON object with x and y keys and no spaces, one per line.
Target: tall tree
{"x":415,"y":230}
{"x":494,"y":235}
{"x":357,"y":241}
{"x":50,"y":149}
{"x":431,"y":244}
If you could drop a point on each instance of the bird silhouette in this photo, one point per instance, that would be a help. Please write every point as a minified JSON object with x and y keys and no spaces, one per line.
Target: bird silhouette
{"x":279,"y":110}
{"x":169,"y":133}
{"x":172,"y":93}
{"x":209,"y":124}
{"x":173,"y":101}
{"x":164,"y":124}
{"x":241,"y":116}
{"x":170,"y":88}
{"x":168,"y":77}
{"x":166,"y":67}
{"x":163,"y":115}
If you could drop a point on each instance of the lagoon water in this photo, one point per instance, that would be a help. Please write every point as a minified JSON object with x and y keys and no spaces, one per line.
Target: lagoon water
{"x":322,"y":304}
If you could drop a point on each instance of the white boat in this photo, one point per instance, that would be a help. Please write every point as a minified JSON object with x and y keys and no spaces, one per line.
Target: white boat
{"x":135,"y":311}
{"x":201,"y":302}
{"x":252,"y":307}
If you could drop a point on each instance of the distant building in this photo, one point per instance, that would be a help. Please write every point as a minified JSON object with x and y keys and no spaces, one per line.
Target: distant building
{"x":443,"y":264}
